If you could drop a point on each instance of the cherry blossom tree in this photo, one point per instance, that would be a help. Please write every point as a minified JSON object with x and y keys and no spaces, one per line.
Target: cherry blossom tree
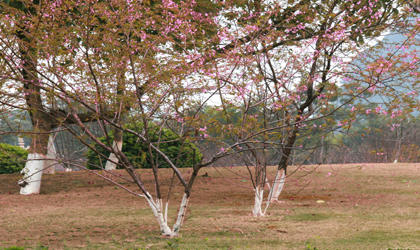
{"x":20,"y":63}
{"x":289,"y":72}
{"x":415,"y":4}
{"x":22,"y":43}
{"x":98,"y":58}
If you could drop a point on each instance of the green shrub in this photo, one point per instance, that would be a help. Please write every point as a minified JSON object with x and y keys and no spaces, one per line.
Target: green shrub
{"x":138,"y":152}
{"x":12,"y":158}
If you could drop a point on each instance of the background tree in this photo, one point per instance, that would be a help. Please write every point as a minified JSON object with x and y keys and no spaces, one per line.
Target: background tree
{"x":13,"y":122}
{"x":288,"y":74}
{"x":138,"y":153}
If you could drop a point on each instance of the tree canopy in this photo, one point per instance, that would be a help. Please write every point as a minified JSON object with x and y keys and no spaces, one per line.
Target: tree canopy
{"x":251,"y":78}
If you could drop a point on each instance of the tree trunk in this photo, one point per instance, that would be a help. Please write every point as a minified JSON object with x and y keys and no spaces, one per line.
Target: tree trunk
{"x":259,"y":194}
{"x":32,"y":173}
{"x":31,"y":182}
{"x":181,"y":214}
{"x":118,"y":133}
{"x":117,"y":146}
{"x":277,"y":186}
{"x":41,"y":121}
{"x":283,"y":163}
{"x":162,"y":218}
{"x":49,"y":163}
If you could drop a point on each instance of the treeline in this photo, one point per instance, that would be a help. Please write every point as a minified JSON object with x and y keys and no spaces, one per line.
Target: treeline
{"x":370,"y":138}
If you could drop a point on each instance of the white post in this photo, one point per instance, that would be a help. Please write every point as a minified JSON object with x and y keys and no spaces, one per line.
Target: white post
{"x":31,"y":182}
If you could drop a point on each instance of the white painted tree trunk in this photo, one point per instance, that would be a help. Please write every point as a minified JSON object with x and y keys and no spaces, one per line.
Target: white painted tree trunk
{"x":163,"y":221}
{"x":277,"y":186}
{"x":117,"y":145}
{"x":259,"y":194}
{"x":31,"y":182}
{"x":49,"y":165}
{"x":267,"y":183}
{"x":162,"y":217}
{"x":181,"y":214}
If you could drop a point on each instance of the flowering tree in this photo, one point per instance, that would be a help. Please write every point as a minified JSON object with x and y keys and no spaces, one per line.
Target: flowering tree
{"x":289,"y":71}
{"x":160,"y":64}
{"x":415,"y":4}
{"x":97,"y":59}
{"x":20,"y":62}
{"x":22,"y":41}
{"x":393,"y":102}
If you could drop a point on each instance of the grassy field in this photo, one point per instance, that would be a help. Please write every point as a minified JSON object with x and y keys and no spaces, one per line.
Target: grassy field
{"x":373,"y":206}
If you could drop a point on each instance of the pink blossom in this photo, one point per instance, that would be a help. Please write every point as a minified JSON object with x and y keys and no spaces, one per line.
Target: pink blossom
{"x":203,"y":129}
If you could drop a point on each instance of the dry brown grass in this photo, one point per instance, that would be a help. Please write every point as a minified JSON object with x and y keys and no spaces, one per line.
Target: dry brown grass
{"x":368,"y":207}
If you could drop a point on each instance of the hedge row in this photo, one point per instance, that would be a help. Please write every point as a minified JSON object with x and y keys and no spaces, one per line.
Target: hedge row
{"x":12,"y":158}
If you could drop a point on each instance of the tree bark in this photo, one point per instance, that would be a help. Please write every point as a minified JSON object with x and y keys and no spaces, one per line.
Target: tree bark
{"x":31,"y":182}
{"x":277,"y":186}
{"x":181,"y":214}
{"x":41,"y":121}
{"x":117,"y":146}
{"x":161,"y":216}
{"x":162,"y":220}
{"x":257,"y":211}
{"x":285,"y":159}
{"x":49,"y":163}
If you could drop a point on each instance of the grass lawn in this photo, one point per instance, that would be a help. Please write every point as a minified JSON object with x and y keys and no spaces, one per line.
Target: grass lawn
{"x":372,"y":206}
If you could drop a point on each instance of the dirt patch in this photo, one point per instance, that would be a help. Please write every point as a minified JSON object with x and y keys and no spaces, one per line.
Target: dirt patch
{"x":308,"y":197}
{"x":79,"y":209}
